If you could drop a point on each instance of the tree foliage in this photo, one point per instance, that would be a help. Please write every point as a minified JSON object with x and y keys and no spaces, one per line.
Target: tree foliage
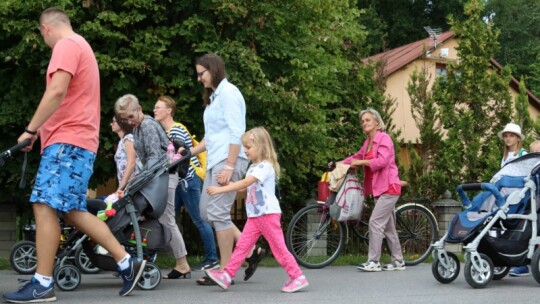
{"x":297,"y":64}
{"x":424,"y":152}
{"x":519,"y":25}
{"x":474,"y":102}
{"x":399,"y":22}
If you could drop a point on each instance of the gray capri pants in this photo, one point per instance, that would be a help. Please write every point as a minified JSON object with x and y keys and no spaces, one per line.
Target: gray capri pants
{"x":216,"y":209}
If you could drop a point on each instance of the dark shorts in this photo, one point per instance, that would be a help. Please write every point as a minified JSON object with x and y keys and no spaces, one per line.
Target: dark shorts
{"x":62,"y":178}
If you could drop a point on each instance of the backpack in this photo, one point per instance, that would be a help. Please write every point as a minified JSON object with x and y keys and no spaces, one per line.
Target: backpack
{"x":201,"y":157}
{"x":349,"y":200}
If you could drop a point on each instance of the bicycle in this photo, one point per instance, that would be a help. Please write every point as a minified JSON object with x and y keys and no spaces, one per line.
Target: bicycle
{"x":316,"y":240}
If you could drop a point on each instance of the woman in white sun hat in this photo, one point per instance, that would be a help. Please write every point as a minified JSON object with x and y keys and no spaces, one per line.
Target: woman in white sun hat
{"x":513,"y":142}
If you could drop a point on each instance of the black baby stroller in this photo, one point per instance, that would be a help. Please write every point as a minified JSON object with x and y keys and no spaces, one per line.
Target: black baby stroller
{"x":135,"y":225}
{"x":499,"y":228}
{"x":23,"y":258}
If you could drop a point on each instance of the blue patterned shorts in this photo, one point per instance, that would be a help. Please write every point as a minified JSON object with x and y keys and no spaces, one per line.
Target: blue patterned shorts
{"x":62,"y":178}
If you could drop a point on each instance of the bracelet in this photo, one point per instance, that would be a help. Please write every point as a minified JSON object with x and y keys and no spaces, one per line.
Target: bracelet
{"x":226,"y":167}
{"x":30,"y":132}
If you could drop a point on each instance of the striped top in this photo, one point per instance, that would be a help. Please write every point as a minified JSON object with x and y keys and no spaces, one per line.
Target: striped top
{"x":177,"y":132}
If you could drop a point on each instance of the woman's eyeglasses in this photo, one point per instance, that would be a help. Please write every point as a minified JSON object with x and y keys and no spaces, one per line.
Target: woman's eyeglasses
{"x":130,"y":117}
{"x":199,"y":74}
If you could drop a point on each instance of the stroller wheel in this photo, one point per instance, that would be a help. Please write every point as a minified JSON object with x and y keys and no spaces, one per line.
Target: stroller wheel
{"x":479,"y":271}
{"x":535,"y":265}
{"x":23,"y":257}
{"x":150,"y":278}
{"x":445,"y":274}
{"x":83,"y":262}
{"x":500,"y":272}
{"x":67,"y":277}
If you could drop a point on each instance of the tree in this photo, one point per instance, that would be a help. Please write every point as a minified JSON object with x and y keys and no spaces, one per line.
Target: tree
{"x":521,"y":110}
{"x":519,"y":25}
{"x":403,"y":21}
{"x":474,"y":102}
{"x":424,"y":109}
{"x":297,"y":64}
{"x":534,"y":76}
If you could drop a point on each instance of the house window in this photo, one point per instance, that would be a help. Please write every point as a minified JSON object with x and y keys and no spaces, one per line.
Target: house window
{"x":440,"y":69}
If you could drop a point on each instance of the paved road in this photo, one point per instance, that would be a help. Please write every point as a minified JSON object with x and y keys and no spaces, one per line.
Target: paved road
{"x":329,"y":285}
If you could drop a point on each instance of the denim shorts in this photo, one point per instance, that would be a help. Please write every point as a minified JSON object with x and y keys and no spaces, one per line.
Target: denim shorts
{"x":62,"y":178}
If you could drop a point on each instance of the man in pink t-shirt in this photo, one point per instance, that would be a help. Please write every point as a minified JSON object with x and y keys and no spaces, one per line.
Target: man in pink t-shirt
{"x":67,"y":120}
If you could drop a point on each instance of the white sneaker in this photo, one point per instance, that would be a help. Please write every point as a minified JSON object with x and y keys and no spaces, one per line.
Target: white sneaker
{"x":395,"y":265}
{"x":370,"y":266}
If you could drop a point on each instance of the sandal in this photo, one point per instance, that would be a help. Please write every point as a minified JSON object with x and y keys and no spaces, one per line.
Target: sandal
{"x":253,"y":261}
{"x":175,"y":274}
{"x":206,"y":281}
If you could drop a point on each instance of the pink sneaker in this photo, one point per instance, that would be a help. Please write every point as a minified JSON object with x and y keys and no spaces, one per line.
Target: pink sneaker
{"x":296,"y":284}
{"x":220,"y":277}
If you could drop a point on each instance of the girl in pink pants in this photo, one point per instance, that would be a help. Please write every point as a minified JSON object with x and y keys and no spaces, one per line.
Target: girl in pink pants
{"x":263,"y":211}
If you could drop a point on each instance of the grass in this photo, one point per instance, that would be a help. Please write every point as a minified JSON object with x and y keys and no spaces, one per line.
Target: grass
{"x":4,"y":264}
{"x":166,"y":261}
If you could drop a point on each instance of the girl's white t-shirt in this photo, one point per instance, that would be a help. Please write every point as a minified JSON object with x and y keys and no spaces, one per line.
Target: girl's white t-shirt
{"x":261,"y":196}
{"x":512,"y":156}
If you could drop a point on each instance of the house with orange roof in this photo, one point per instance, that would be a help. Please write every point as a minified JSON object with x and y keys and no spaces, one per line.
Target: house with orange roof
{"x":432,"y":53}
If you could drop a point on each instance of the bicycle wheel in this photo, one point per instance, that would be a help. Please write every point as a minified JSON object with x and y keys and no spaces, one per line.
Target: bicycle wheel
{"x":417,"y":230}
{"x":360,"y":228}
{"x":314,"y":239}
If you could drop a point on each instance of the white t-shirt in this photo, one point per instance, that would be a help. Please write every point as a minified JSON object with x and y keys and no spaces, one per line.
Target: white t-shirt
{"x":512,"y":156}
{"x":261,"y":196}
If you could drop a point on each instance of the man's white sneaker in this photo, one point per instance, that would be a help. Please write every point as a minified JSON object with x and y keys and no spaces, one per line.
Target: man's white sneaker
{"x":395,"y":265}
{"x":370,"y":266}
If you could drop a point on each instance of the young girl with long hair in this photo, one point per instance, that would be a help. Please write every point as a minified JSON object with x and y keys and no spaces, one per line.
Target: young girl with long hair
{"x":263,"y":211}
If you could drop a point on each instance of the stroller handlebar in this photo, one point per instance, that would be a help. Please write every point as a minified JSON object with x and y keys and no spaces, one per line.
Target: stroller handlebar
{"x":184,"y":157}
{"x":499,"y":199}
{"x":13,"y":150}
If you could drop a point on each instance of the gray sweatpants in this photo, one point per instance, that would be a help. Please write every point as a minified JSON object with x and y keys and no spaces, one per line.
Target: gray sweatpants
{"x":168,"y":220}
{"x":382,"y":223}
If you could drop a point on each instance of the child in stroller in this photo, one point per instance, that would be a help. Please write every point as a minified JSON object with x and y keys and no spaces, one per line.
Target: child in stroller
{"x":499,"y":228}
{"x":133,"y":220}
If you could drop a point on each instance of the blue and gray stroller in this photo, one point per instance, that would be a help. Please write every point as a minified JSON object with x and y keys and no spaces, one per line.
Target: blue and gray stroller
{"x":135,"y":224}
{"x":498,"y":228}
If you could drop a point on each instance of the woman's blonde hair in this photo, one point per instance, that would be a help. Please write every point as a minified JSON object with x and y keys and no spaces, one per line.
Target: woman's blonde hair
{"x":375,"y":115}
{"x":169,"y":102}
{"x":125,"y":103}
{"x":518,"y":147}
{"x":261,"y":139}
{"x":535,"y":146}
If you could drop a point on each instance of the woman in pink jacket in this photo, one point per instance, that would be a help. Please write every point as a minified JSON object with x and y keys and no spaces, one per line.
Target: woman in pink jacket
{"x":381,"y":180}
